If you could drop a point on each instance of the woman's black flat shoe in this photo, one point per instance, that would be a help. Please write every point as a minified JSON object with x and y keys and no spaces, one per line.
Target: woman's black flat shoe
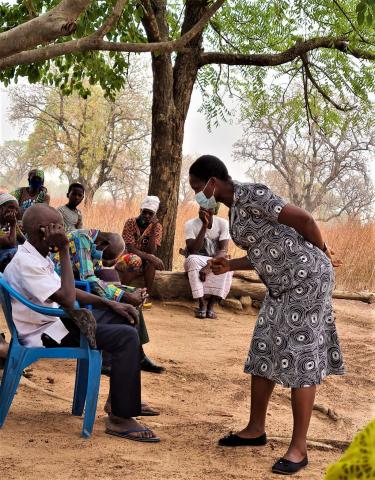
{"x":233,"y":440}
{"x":286,"y":467}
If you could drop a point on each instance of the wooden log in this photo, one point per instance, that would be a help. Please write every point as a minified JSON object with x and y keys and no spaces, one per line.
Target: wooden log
{"x":366,"y":297}
{"x":170,"y":285}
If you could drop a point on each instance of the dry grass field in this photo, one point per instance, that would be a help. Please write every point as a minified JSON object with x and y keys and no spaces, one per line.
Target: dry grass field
{"x":353,"y":242}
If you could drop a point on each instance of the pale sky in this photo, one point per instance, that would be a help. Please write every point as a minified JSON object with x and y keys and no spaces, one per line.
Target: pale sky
{"x":198,"y":140}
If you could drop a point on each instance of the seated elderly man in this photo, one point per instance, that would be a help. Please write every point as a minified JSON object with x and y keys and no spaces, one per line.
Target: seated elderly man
{"x":206,"y":236}
{"x":88,"y":249}
{"x":142,"y":236}
{"x":31,"y":273}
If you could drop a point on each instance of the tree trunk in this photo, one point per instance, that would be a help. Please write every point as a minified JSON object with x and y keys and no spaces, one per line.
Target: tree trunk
{"x":89,"y":196}
{"x":172,"y":89}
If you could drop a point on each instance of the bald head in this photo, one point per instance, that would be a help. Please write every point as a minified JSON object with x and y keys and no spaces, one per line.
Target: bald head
{"x":113,"y":244}
{"x":39,"y":215}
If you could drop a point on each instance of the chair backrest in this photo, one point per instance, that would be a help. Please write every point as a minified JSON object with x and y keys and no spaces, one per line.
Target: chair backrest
{"x":7,"y":309}
{"x":6,"y":292}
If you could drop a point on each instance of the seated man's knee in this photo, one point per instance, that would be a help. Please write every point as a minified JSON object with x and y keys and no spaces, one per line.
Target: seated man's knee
{"x":128,"y":335}
{"x":191,"y":263}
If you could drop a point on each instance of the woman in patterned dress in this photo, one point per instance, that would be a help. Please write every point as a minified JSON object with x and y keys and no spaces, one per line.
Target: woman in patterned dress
{"x":295,"y":341}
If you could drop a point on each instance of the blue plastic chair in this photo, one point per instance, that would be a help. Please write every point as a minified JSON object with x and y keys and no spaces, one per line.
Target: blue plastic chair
{"x":88,"y":370}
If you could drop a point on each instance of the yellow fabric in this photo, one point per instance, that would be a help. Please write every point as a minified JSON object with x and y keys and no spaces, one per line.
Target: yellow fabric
{"x":358,"y":461}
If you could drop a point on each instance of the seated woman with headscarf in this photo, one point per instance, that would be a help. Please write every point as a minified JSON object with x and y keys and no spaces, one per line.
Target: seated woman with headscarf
{"x":10,"y":234}
{"x":142,"y":236}
{"x":36,"y":192}
{"x":206,"y":237}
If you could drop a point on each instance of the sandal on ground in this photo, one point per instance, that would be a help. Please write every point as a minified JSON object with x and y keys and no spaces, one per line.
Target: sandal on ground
{"x":199,"y":313}
{"x":147,"y":306}
{"x":287,"y":467}
{"x":233,"y":440}
{"x":128,"y":434}
{"x":146,"y":410}
{"x":211,"y":314}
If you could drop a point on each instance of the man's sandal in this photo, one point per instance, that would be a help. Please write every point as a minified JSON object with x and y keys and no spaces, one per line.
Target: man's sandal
{"x":199,"y":313}
{"x":146,"y":410}
{"x":128,"y":434}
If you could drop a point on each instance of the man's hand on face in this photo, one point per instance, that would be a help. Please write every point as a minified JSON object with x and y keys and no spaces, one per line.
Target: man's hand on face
{"x":154,"y":220}
{"x":55,"y":236}
{"x":11,"y":218}
{"x":205,"y":216}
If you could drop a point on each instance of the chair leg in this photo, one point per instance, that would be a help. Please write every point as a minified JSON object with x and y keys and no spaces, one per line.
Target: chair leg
{"x":11,"y":379}
{"x":80,"y":388}
{"x":92,"y":393}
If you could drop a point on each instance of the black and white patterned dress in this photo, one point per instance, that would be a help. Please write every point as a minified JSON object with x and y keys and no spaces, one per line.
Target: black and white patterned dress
{"x":295,"y":341}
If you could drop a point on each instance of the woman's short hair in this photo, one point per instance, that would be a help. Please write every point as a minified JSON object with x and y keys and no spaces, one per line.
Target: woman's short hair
{"x":208,"y":166}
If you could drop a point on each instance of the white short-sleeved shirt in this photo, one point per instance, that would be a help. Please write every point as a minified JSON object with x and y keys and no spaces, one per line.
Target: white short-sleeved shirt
{"x":218,"y":232}
{"x":34,"y":277}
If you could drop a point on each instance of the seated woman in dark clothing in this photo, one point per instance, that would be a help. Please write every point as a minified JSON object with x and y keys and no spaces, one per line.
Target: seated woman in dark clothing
{"x":36,"y":192}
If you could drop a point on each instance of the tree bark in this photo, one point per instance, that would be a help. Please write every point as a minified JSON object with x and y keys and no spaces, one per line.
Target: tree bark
{"x":173,"y":87}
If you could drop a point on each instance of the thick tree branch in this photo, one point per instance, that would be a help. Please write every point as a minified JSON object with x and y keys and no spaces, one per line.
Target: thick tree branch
{"x":58,"y":22}
{"x":92,"y":43}
{"x":112,"y":19}
{"x":149,"y":22}
{"x":274,"y":59}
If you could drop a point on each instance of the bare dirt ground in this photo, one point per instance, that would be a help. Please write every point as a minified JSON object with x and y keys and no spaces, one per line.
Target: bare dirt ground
{"x":203,"y":395}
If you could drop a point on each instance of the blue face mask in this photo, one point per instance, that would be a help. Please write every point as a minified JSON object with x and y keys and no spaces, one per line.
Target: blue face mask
{"x":35,"y":183}
{"x":204,"y":202}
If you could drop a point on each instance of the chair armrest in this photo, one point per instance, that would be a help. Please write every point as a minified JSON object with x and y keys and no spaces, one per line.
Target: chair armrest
{"x":55,"y":312}
{"x":83,"y":285}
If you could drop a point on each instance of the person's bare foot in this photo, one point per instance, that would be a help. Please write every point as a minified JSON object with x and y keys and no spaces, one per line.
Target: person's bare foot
{"x":250,"y":432}
{"x":146,"y":409}
{"x":295,"y":454}
{"x":118,"y":426}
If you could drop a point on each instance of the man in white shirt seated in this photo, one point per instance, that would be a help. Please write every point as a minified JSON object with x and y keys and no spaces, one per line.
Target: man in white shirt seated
{"x":31,"y":273}
{"x":206,"y":237}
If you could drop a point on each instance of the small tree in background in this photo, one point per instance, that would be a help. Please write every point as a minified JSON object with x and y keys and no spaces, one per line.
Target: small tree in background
{"x":92,"y":140}
{"x":14,"y":164}
{"x":321,"y":167}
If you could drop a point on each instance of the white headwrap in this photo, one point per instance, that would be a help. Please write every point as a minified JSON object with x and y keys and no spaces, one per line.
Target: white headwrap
{"x":7,"y":197}
{"x":151,"y":203}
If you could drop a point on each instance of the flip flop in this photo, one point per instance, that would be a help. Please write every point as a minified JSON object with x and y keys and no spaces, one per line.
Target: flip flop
{"x":147,"y":306}
{"x":127,"y":434}
{"x":211,"y":314}
{"x":199,"y":313}
{"x":146,"y":410}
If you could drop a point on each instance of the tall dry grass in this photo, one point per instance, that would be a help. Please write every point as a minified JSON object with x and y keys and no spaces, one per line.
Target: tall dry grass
{"x":354,"y":243}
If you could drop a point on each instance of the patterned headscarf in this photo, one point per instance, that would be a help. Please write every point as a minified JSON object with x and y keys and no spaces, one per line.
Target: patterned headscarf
{"x":7,"y":197}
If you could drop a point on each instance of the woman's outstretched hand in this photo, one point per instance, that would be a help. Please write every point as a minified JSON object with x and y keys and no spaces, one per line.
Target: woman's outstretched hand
{"x":335,"y":262}
{"x":219,"y":265}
